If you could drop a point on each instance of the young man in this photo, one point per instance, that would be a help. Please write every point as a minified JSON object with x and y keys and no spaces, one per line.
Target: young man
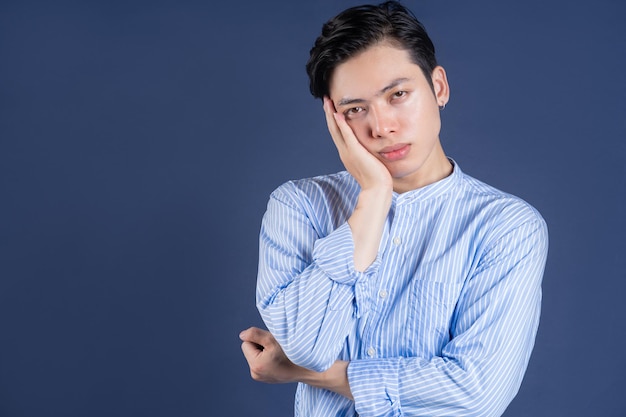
{"x":400,"y":286}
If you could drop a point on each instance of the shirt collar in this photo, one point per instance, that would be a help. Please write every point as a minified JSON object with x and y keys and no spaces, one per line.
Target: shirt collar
{"x":433,"y":190}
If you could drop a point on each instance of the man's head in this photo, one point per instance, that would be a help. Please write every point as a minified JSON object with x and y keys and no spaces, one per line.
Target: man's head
{"x":358,"y":28}
{"x":377,"y":67}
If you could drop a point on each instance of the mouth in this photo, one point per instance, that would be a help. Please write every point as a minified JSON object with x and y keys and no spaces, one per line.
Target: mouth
{"x":395,"y":152}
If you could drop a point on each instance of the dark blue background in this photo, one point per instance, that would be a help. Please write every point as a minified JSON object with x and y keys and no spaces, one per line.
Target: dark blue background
{"x":139,"y":144}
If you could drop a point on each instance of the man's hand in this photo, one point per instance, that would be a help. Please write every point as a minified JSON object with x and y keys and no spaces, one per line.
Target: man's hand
{"x":268,"y":363}
{"x":369,"y":172}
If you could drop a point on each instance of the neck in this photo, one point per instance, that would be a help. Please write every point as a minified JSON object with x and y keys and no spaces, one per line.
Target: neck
{"x":435,"y":168}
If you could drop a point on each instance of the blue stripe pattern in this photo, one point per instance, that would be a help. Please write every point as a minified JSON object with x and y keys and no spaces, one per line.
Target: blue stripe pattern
{"x":441,"y":324}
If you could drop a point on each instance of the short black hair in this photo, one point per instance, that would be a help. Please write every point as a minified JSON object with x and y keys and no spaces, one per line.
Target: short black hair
{"x":357,"y":28}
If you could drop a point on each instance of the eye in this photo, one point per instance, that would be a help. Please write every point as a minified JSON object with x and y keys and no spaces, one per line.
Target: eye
{"x":354,"y":111}
{"x":399,"y":94}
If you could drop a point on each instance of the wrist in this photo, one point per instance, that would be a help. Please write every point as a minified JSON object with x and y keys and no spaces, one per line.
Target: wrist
{"x":377,"y":190}
{"x":333,"y":379}
{"x":376,"y":200}
{"x":367,"y":223}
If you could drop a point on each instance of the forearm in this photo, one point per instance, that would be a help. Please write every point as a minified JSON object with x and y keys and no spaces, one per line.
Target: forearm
{"x":306,"y":284}
{"x":441,"y":385}
{"x":477,"y":373}
{"x":367,"y":224}
{"x":310,"y":332}
{"x":309,"y":291}
{"x":333,"y":379}
{"x":268,"y":363}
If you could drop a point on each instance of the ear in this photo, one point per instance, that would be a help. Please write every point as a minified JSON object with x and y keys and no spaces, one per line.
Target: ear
{"x":440,"y":86}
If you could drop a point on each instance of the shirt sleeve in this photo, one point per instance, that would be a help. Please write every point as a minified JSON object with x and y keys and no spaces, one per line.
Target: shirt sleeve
{"x":308,"y":291}
{"x":492,"y":334}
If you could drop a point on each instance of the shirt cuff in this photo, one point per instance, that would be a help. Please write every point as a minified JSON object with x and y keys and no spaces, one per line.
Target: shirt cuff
{"x":374,"y":386}
{"x":334,"y":254}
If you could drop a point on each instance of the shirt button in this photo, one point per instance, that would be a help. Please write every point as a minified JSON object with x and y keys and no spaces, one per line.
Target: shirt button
{"x":383,"y":293}
{"x":371,"y":351}
{"x":397,"y":240}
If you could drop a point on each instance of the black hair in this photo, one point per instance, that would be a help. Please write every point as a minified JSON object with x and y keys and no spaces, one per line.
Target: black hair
{"x":357,"y":28}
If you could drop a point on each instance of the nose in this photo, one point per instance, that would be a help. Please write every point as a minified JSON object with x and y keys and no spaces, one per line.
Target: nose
{"x":382,"y":121}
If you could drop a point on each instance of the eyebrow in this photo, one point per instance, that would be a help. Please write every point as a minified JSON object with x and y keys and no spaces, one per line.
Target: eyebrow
{"x":347,"y":101}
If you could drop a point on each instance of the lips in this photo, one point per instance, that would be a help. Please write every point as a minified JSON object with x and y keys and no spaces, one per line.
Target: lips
{"x":395,"y":152}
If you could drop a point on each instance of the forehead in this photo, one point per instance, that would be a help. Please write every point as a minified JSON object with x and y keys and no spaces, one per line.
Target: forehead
{"x":372,"y":70}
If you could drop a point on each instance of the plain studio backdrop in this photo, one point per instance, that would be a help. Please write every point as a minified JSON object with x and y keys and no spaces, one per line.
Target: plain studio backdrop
{"x":139,"y":143}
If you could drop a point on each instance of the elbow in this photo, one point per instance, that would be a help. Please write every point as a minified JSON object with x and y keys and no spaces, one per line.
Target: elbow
{"x":492,"y":398}
{"x":485,"y":392}
{"x":490,"y":402}
{"x":318,"y":360}
{"x":305,"y":350}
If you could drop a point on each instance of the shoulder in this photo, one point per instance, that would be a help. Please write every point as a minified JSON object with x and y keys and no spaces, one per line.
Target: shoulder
{"x":499,"y":212}
{"x":323,"y":188}
{"x":324,"y":202}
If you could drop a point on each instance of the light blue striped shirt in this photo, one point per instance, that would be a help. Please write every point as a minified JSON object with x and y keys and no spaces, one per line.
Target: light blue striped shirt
{"x":441,"y":324}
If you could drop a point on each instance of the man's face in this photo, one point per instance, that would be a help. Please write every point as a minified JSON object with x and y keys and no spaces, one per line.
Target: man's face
{"x":393,"y":112}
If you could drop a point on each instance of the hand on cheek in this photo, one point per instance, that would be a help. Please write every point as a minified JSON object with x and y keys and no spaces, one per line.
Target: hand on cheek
{"x":364,"y":167}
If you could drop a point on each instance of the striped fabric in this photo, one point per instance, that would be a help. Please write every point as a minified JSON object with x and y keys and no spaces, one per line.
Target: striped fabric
{"x":441,"y":324}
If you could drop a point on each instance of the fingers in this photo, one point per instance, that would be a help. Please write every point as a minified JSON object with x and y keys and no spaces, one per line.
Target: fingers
{"x":331,"y":122}
{"x":251,"y":350}
{"x":356,"y":158}
{"x":346,"y":131}
{"x":340,"y":131}
{"x":255,"y":341}
{"x":264,"y":356}
{"x":257,"y":336}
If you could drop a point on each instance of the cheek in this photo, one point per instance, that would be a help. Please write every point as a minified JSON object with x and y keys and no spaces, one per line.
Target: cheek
{"x":423,"y":119}
{"x":360,"y":130}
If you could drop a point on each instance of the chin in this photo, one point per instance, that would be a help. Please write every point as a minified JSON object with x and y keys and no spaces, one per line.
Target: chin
{"x":400,"y":172}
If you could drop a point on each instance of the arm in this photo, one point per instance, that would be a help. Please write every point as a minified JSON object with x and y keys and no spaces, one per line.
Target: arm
{"x":492,"y":334}
{"x":306,"y":284}
{"x":477,"y":373}
{"x":308,"y":287}
{"x":368,"y":219}
{"x":268,"y":363}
